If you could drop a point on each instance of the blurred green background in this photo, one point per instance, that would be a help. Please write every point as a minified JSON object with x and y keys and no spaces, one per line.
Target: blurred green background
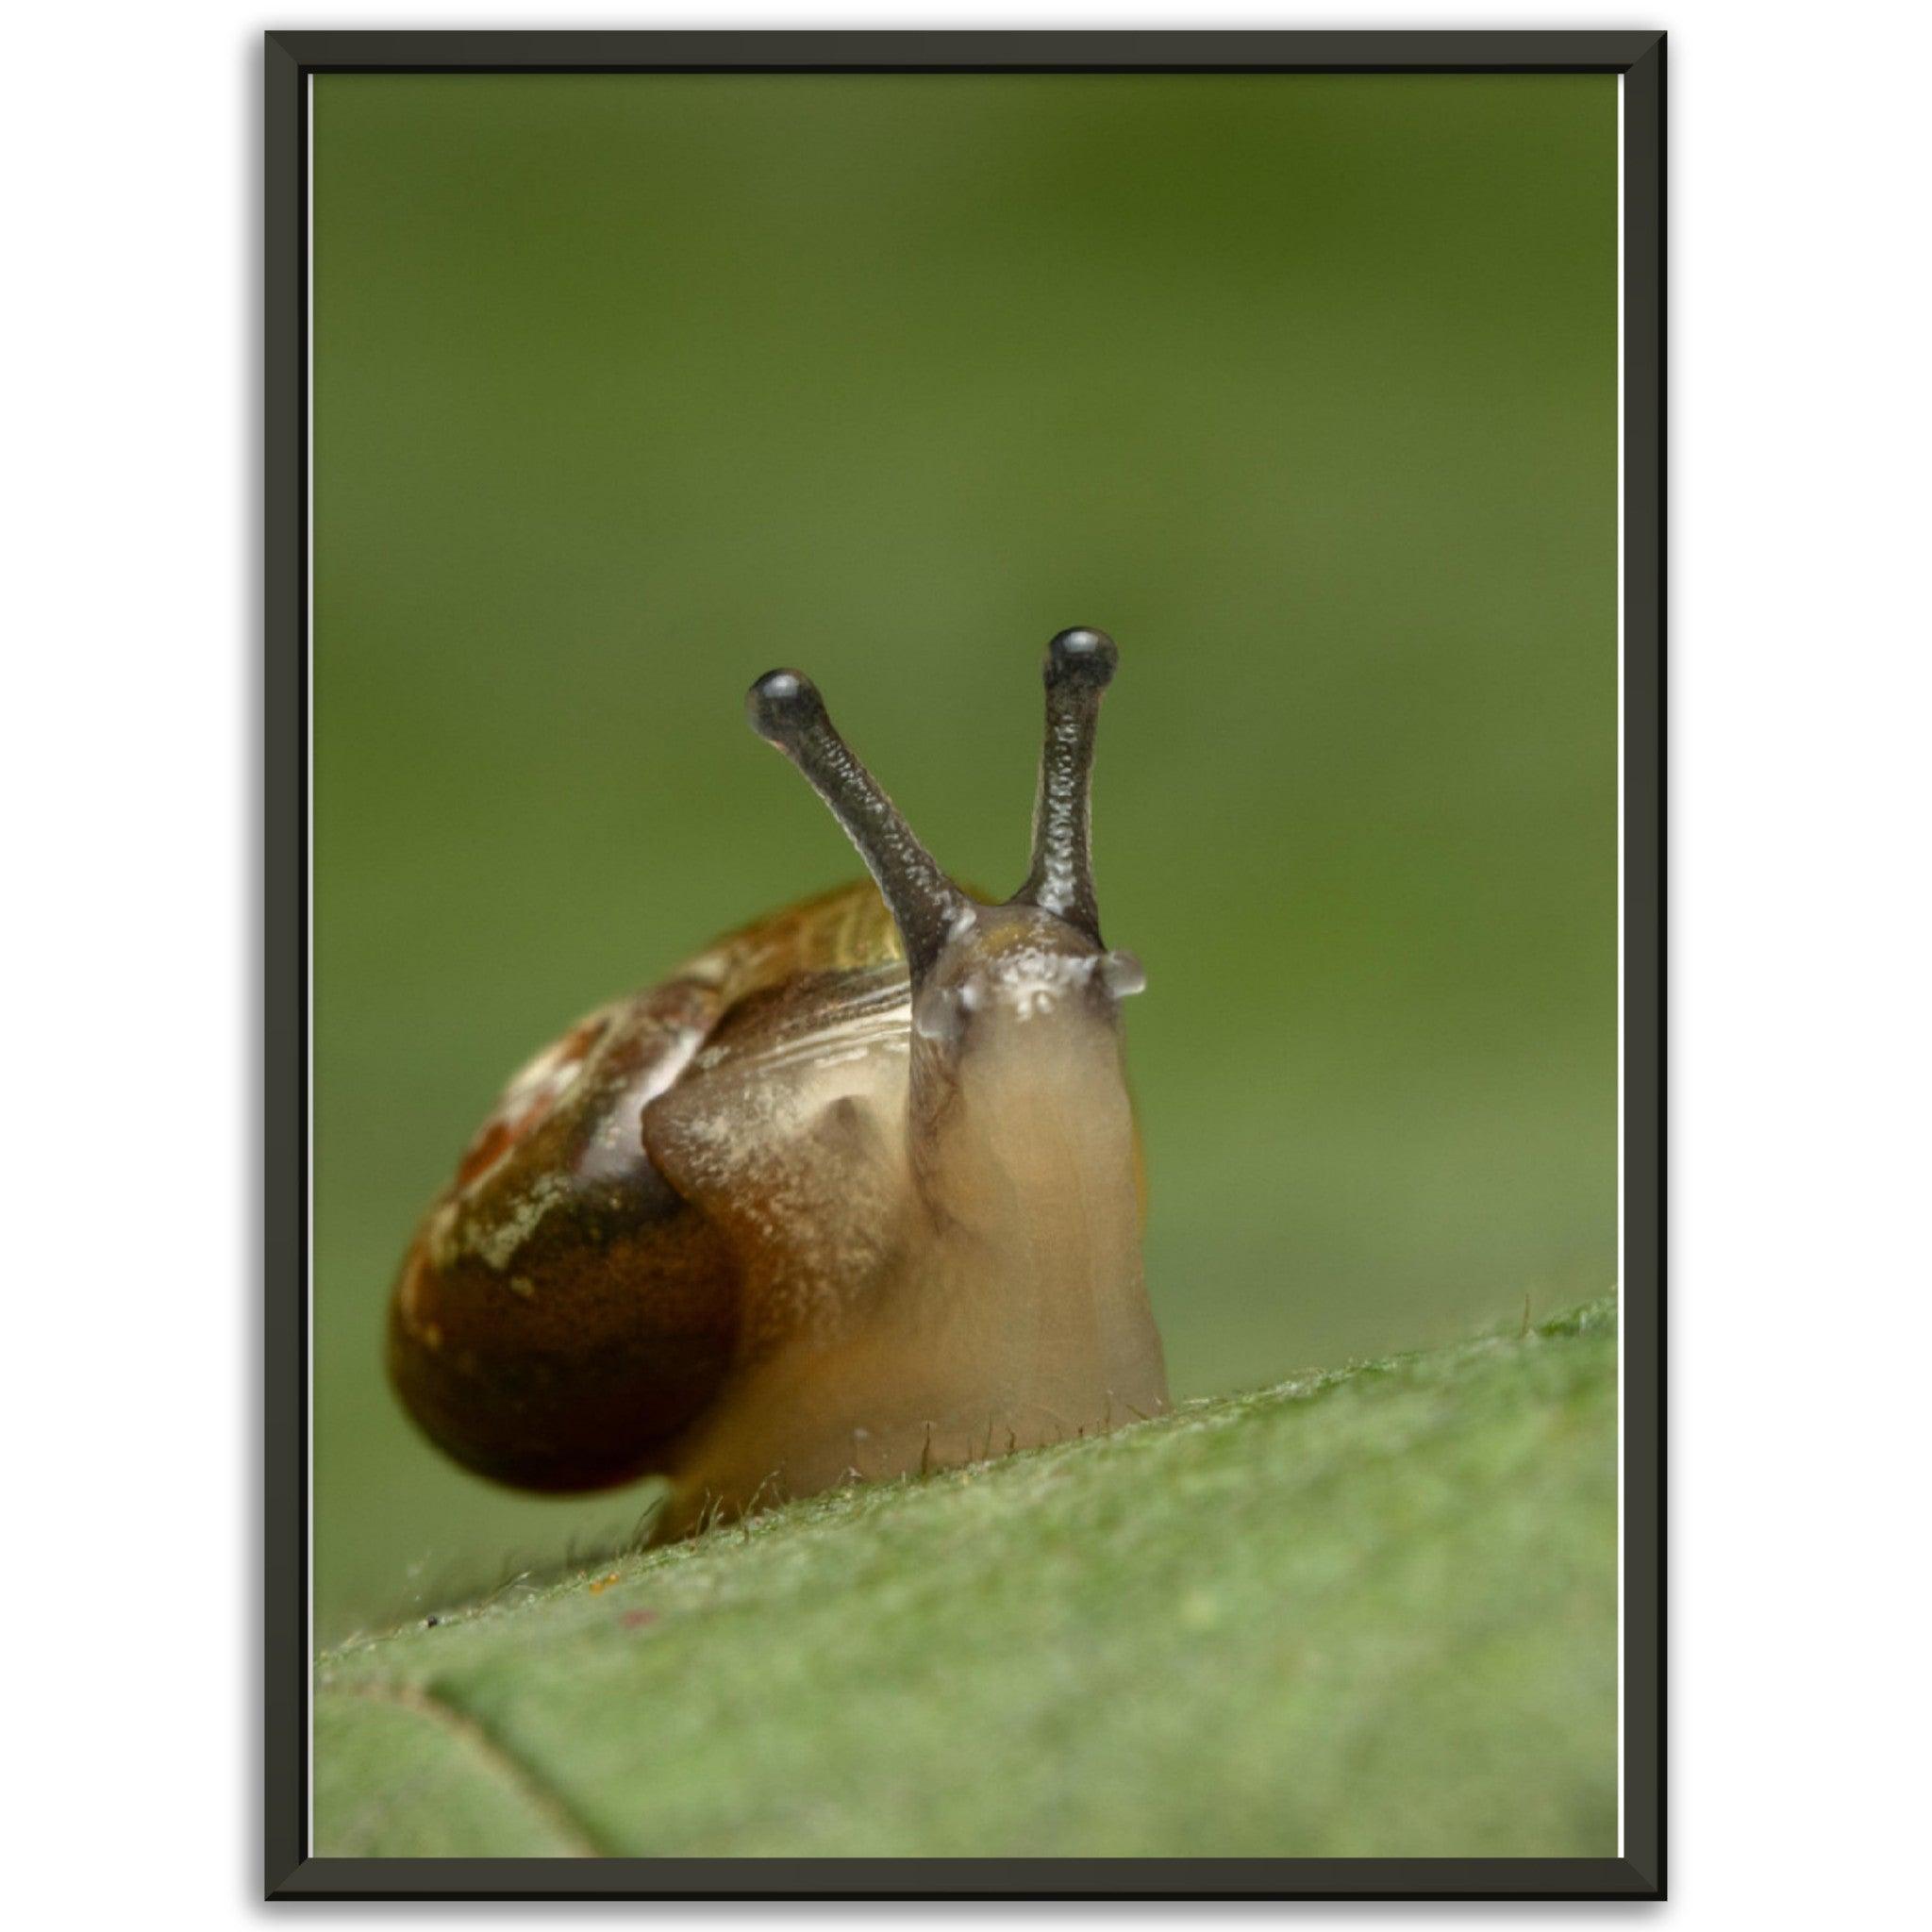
{"x":628,"y":388}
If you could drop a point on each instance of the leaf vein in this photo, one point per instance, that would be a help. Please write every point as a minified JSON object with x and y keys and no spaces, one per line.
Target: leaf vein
{"x":501,"y":1760}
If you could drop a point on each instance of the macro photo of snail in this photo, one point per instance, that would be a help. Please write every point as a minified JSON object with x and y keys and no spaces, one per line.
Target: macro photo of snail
{"x":853,"y":1193}
{"x":891,"y":1378}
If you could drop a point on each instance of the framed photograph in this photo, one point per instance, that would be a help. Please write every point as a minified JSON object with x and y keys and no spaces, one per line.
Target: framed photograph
{"x":1009,"y":1301}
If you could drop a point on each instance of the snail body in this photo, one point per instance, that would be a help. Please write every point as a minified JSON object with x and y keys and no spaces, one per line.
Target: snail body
{"x":854,"y":1192}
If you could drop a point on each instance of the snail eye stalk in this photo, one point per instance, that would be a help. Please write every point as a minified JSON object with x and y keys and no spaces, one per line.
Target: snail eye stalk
{"x":785,"y":708}
{"x":1079,"y":666}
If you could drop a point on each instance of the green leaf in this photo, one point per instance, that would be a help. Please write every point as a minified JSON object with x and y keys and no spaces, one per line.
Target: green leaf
{"x":1368,"y":1613}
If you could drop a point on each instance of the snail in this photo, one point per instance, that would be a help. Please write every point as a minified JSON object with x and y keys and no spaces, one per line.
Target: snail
{"x":855,"y":1192}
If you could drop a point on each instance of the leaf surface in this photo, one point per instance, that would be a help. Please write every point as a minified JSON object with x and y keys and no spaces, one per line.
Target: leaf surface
{"x":1368,"y":1613}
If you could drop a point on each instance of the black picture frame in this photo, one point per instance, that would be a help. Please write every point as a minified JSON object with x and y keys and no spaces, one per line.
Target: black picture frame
{"x":292,"y":58}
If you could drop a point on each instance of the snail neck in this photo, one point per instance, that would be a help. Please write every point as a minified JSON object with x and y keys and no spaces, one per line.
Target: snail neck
{"x":1031,"y":1147}
{"x":1028,"y":1164}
